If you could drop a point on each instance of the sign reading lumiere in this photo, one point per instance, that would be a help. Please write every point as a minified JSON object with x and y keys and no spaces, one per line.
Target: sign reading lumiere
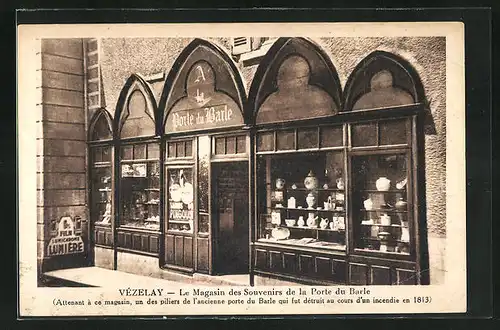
{"x":66,"y":241}
{"x":204,"y":107}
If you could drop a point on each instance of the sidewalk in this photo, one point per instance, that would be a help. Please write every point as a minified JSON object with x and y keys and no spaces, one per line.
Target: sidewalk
{"x":101,"y":277}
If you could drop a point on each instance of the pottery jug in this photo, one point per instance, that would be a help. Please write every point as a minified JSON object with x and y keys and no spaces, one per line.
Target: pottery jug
{"x":383,"y":184}
{"x":311,"y":182}
{"x":312,"y":220}
{"x":292,"y":202}
{"x":324,"y":223}
{"x":340,"y":183}
{"x":368,"y":204}
{"x":280,"y":183}
{"x":332,"y":225}
{"x":301,"y":221}
{"x":401,"y":205}
{"x":310,"y":200}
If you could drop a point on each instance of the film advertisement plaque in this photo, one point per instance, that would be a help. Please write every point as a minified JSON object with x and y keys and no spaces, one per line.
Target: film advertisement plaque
{"x":216,"y":169}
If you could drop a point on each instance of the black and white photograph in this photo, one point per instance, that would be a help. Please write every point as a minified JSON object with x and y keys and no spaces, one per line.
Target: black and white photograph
{"x":189,"y":164}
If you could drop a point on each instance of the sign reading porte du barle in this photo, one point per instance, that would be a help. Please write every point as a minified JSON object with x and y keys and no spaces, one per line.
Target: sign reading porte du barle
{"x":204,"y":107}
{"x":66,"y":241}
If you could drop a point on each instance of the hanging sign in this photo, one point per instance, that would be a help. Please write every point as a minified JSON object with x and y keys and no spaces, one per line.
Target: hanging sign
{"x":203,"y":107}
{"x":66,"y":241}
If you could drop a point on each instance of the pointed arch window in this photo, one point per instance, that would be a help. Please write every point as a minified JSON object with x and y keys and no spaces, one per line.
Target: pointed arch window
{"x":101,"y":151}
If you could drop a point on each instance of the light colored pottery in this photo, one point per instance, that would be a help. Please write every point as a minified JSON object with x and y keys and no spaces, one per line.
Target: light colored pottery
{"x":368,"y":204}
{"x":385,"y":219}
{"x":280,"y":233}
{"x":383,"y":184}
{"x":324,"y":223}
{"x":401,"y":205}
{"x":280,"y":183}
{"x":301,"y":222}
{"x":292,"y":202}
{"x":311,"y":181}
{"x":310,"y":200}
{"x":340,"y":183}
{"x":312,"y":220}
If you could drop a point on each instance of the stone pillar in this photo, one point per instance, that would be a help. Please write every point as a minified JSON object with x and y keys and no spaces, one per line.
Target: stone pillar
{"x":61,"y":152}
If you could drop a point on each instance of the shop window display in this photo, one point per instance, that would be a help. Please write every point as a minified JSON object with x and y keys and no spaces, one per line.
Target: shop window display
{"x":140,"y":187}
{"x":304,"y":203}
{"x":180,"y":197}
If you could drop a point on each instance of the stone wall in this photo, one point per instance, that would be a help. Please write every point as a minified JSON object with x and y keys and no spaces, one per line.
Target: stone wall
{"x":61,"y":152}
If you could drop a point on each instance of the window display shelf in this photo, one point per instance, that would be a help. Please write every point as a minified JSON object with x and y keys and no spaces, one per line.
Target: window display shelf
{"x":302,"y":243}
{"x":306,"y":209}
{"x":180,"y":221}
{"x":379,"y":225}
{"x":152,"y":189}
{"x":394,"y":191}
{"x":311,"y":228}
{"x":384,"y":210}
{"x":388,"y":240}
{"x":303,"y":189}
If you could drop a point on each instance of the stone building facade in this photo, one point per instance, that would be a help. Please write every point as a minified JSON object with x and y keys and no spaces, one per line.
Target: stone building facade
{"x":79,"y":76}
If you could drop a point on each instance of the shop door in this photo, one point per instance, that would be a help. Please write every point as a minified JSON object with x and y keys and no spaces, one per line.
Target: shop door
{"x":230,"y":218}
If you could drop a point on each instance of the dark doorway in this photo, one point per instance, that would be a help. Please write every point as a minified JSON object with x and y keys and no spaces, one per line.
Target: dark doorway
{"x":230,"y":218}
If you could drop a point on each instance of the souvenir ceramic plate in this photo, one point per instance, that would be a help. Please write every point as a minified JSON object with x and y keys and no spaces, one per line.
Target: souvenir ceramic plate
{"x":175,"y":192}
{"x":280,"y":233}
{"x":187,"y":193}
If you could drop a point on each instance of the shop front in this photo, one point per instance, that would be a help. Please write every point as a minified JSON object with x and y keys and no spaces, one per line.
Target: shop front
{"x":302,"y":182}
{"x":206,"y":165}
{"x":338,"y":177}
{"x":170,"y":183}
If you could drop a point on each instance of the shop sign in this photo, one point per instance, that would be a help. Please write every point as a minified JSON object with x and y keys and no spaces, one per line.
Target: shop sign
{"x":66,"y":241}
{"x":203,"y":107}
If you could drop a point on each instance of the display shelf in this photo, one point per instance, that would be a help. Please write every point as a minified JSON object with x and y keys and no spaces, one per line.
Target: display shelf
{"x":305,"y":209}
{"x":379,"y":225}
{"x":317,"y":189}
{"x":297,"y":243}
{"x":384,"y":210}
{"x":312,"y":228}
{"x":384,"y":253}
{"x":180,"y":221}
{"x":392,"y":191}
{"x":390,"y":240}
{"x":152,"y":189}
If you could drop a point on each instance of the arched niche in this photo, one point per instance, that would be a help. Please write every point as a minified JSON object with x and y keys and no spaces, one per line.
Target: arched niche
{"x":382,"y":80}
{"x":136,"y":110}
{"x":101,"y":126}
{"x":295,"y":80}
{"x":203,"y":90}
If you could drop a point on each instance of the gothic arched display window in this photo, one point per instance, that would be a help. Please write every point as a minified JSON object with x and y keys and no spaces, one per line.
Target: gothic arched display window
{"x":138,"y":168}
{"x":101,"y":153}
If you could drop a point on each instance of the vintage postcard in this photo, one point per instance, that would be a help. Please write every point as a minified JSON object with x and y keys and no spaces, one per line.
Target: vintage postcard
{"x":241,"y":169}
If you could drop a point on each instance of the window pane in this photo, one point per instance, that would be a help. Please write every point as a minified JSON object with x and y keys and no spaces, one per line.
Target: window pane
{"x":203,"y":222}
{"x":180,"y":149}
{"x":393,"y":132}
{"x":380,"y":204}
{"x":189,"y":148}
{"x":140,"y":151}
{"x":171,"y":150}
{"x":97,"y":155}
{"x":101,"y":195}
{"x":106,"y":154}
{"x":140,"y":195}
{"x":153,"y":151}
{"x":363,"y":135}
{"x":127,"y":152}
{"x":308,"y":138}
{"x":203,"y":172}
{"x":230,"y":145}
{"x":285,"y":140}
{"x":265,"y":141}
{"x":180,"y":194}
{"x":332,"y":136}
{"x":241,"y":145}
{"x":220,"y":146}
